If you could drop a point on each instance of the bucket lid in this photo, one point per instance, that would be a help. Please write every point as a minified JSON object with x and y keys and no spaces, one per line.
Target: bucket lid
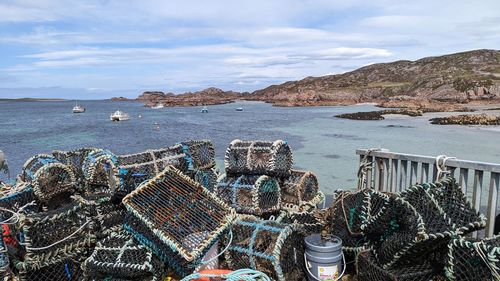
{"x":317,"y":243}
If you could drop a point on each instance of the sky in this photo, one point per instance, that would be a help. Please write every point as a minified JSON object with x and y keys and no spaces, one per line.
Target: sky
{"x":99,"y":49}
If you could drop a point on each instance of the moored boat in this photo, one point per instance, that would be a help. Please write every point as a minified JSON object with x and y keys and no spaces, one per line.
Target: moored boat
{"x":78,"y":109}
{"x":239,"y":109}
{"x":204,"y":110}
{"x":119,"y":116}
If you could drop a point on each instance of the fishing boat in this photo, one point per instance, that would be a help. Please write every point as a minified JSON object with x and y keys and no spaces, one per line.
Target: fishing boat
{"x":158,"y":106}
{"x":119,"y":116}
{"x":204,"y":110}
{"x":78,"y":109}
{"x":239,"y":109}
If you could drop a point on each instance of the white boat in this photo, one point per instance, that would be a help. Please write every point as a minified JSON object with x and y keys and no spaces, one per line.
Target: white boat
{"x":239,"y":109}
{"x":78,"y":109}
{"x":158,"y":106}
{"x":119,"y":116}
{"x":204,"y":110}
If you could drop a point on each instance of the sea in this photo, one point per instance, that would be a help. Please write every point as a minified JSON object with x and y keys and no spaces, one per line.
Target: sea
{"x":321,"y":142}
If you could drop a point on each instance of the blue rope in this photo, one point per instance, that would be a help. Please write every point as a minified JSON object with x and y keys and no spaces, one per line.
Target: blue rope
{"x":245,"y":274}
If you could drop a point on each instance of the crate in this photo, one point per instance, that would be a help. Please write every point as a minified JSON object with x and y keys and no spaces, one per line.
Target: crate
{"x":258,"y":158}
{"x":44,"y":236}
{"x":268,"y":246}
{"x":121,"y":257}
{"x":298,"y":189}
{"x":250,"y":194}
{"x":177,"y":218}
{"x":49,"y":178}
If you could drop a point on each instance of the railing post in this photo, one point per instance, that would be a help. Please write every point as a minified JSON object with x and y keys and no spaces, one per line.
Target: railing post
{"x":404,"y":173}
{"x":492,"y":203}
{"x":394,"y":175}
{"x":413,"y":173}
{"x":424,"y":174}
{"x":476,"y":192}
{"x":463,"y":179}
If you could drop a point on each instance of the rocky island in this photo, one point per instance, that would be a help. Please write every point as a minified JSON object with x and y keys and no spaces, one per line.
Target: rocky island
{"x":470,"y":119}
{"x":443,"y":83}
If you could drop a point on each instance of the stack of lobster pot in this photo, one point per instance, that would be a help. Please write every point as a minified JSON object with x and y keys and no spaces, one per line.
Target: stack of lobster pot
{"x":260,"y":180}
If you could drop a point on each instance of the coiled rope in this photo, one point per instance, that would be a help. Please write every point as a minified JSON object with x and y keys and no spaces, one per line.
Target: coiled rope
{"x":245,"y":274}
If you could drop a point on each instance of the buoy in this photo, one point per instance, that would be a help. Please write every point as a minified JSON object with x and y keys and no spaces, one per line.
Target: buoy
{"x":324,"y":258}
{"x":211,"y":272}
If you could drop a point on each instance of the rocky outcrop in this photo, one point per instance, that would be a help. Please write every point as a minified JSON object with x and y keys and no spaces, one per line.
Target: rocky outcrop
{"x":120,"y":99}
{"x":472,"y":119}
{"x":379,"y":115}
{"x":452,"y":78}
{"x":208,"y":96}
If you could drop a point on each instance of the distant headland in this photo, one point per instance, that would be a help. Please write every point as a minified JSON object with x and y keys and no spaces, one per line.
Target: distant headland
{"x":33,"y":99}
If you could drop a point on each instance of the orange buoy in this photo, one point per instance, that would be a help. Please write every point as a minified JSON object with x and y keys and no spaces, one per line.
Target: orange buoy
{"x":214,"y":272}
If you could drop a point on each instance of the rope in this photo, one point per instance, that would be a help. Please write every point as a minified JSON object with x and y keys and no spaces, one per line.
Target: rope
{"x":57,"y":242}
{"x":245,"y":274}
{"x":441,"y":166}
{"x":14,"y":219}
{"x":223,"y":251}
{"x":364,"y":167}
{"x":483,"y":256}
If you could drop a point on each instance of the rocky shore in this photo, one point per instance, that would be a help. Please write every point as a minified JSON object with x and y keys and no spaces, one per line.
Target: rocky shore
{"x":379,"y":115}
{"x":209,"y":96}
{"x":471,"y":119}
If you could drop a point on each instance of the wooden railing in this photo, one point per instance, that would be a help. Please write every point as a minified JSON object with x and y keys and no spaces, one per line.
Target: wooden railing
{"x":394,"y":172}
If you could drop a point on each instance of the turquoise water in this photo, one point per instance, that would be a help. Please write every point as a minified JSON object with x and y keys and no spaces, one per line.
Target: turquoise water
{"x":321,"y":143}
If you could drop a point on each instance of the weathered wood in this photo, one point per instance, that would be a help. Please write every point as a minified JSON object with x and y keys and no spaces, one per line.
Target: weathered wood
{"x":413,"y":173}
{"x":404,"y":173}
{"x":394,"y":175}
{"x":424,"y":174}
{"x":492,"y":203}
{"x":463,"y":179}
{"x":477,"y":191}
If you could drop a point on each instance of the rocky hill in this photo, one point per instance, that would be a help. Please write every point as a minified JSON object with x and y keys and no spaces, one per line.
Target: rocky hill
{"x":460,"y":77}
{"x":208,"y":96}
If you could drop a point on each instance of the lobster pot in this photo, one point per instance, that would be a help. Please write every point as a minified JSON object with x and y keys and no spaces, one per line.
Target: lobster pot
{"x":4,"y":259}
{"x":200,"y":154}
{"x":64,"y":270}
{"x":207,"y":178}
{"x":299,"y":188}
{"x":152,"y":155}
{"x":472,"y":259}
{"x":434,"y":223}
{"x":119,"y":256}
{"x":308,"y":222}
{"x":258,"y":158}
{"x":98,"y":168}
{"x":368,"y":270}
{"x":74,"y":159}
{"x":177,"y":218}
{"x":40,"y":230}
{"x":268,"y":246}
{"x":107,"y":216}
{"x":250,"y":194}
{"x":16,"y":200}
{"x":348,"y":215}
{"x":49,"y":177}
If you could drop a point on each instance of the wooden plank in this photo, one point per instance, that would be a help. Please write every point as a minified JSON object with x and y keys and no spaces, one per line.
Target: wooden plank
{"x":394,"y":175}
{"x":385,"y":180}
{"x":413,"y":173}
{"x":434,"y":173}
{"x":378,"y":174}
{"x":369,"y":183}
{"x":424,"y":173}
{"x":403,"y":177}
{"x":476,"y":192}
{"x":463,"y":179}
{"x":492,"y":203}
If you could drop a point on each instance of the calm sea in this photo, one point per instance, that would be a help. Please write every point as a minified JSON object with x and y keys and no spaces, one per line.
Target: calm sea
{"x":320,"y":142}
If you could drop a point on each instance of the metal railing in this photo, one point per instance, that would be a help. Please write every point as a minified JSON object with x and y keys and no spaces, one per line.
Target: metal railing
{"x":394,"y":172}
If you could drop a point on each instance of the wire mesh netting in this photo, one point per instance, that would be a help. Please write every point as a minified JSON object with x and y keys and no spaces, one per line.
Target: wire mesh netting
{"x":369,"y":270}
{"x":53,"y":236}
{"x":98,"y":168}
{"x":250,"y":194}
{"x":307,"y":222}
{"x":473,"y":259}
{"x":64,"y":270}
{"x":49,"y":177}
{"x":258,"y":158}
{"x":179,"y":213}
{"x":108,"y":217}
{"x":268,"y":246}
{"x":207,"y":178}
{"x":299,"y":188}
{"x":120,"y":256}
{"x":200,"y":154}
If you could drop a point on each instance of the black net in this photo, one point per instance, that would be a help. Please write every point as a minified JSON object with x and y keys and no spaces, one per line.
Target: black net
{"x":259,"y":158}
{"x":53,"y":236}
{"x":74,"y":159}
{"x":64,"y":270}
{"x":299,"y":188}
{"x":307,"y":222}
{"x":200,"y":154}
{"x":183,"y":214}
{"x":268,"y":246}
{"x":207,"y":178}
{"x":49,"y":178}
{"x":98,"y":168}
{"x":369,"y":270}
{"x":120,"y":256}
{"x":473,"y":259}
{"x":250,"y":194}
{"x":108,"y":217}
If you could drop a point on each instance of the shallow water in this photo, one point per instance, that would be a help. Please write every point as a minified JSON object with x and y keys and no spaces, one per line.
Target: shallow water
{"x":320,"y":142}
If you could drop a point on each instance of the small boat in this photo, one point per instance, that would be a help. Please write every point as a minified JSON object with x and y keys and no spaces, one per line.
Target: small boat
{"x":158,"y":106}
{"x":239,"y":109}
{"x":204,"y":110}
{"x":78,"y":109}
{"x":119,"y":116}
